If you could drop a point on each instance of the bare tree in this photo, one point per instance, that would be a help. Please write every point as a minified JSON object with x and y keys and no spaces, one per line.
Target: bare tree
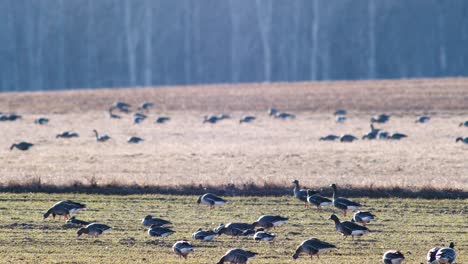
{"x":264,"y":15}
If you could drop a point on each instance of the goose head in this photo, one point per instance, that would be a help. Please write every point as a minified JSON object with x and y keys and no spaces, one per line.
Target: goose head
{"x":334,"y":218}
{"x":452,"y":245}
{"x":296,"y":182}
{"x":199,"y":199}
{"x":81,"y":231}
{"x":12,"y":146}
{"x":148,"y":217}
{"x":333,"y":186}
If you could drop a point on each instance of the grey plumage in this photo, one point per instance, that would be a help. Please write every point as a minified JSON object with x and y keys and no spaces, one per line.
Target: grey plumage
{"x":64,"y":208}
{"x":93,"y":229}
{"x":393,"y":257}
{"x":237,"y":256}
{"x":348,"y":228}
{"x":269,"y":221}
{"x":329,"y":138}
{"x":313,"y":246}
{"x":200,"y":234}
{"x":149,"y":220}
{"x":22,"y":146}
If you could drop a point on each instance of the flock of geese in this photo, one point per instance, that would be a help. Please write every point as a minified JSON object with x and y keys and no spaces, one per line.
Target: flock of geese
{"x":158,"y":227}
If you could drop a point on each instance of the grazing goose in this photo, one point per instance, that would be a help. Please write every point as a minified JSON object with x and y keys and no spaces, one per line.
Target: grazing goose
{"x":393,"y":257}
{"x":138,"y":118}
{"x":363,"y":218}
{"x":343,"y":203}
{"x":149,"y":220}
{"x":463,"y":140}
{"x":247,"y":119}
{"x":340,"y":119}
{"x":299,"y":193}
{"x":64,"y":208}
{"x":112,"y":115}
{"x":329,"y":138}
{"x":162,"y":120}
{"x":272,"y":111}
{"x":211,"y":200}
{"x":383,"y":135}
{"x":41,"y":121}
{"x":146,"y":106}
{"x":75,"y":221}
{"x":464,"y":123}
{"x":93,"y":229}
{"x":442,"y":255}
{"x":233,"y":229}
{"x":158,"y":231}
{"x":316,"y":199}
{"x":10,"y":117}
{"x":237,"y":256}
{"x":22,"y":146}
{"x":223,"y":116}
{"x":284,"y":115}
{"x":269,"y":221}
{"x":348,"y":228}
{"x":134,"y":140}
{"x":347,"y":138}
{"x":203,"y":235}
{"x":101,"y":138}
{"x":398,"y":136}
{"x":382,"y":118}
{"x":182,"y":248}
{"x":261,"y":235}
{"x":422,"y":119}
{"x":341,"y":112}
{"x":67,"y":134}
{"x":313,"y":247}
{"x":210,"y":119}
{"x":123,"y":107}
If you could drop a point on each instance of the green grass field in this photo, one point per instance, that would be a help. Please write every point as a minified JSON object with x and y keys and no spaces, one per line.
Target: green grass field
{"x":413,"y":225}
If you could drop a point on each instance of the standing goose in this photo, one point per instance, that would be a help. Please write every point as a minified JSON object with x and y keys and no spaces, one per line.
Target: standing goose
{"x":123,"y":107}
{"x":343,"y":203}
{"x":464,"y":124}
{"x":269,"y":221}
{"x":93,"y":229}
{"x":237,"y":256}
{"x":182,"y":248}
{"x":272,"y":111}
{"x":261,"y":235}
{"x":211,"y":200}
{"x":158,"y":231}
{"x":233,"y":229}
{"x":363,"y":218}
{"x":299,"y":193}
{"x":41,"y":121}
{"x":393,"y":257}
{"x":329,"y":138}
{"x":463,"y":140}
{"x":203,"y":235}
{"x":313,"y":247}
{"x":446,"y":255}
{"x":382,"y":118}
{"x":247,"y":119}
{"x":371,"y":134}
{"x":316,"y":199}
{"x":101,"y":138}
{"x":112,"y":115}
{"x":75,"y":221}
{"x":149,"y":220}
{"x":347,"y":138}
{"x":67,"y":134}
{"x":64,"y":208}
{"x":146,"y":106}
{"x":135,"y":140}
{"x":348,"y":228}
{"x":22,"y":146}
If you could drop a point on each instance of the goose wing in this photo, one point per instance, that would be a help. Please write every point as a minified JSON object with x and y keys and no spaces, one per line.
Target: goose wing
{"x":318,"y":244}
{"x":343,"y":202}
{"x":353,"y":226}
{"x":97,"y":226}
{"x":213,"y":198}
{"x":446,"y":254}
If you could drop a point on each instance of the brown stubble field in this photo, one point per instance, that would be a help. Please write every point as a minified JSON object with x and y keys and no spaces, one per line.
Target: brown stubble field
{"x":267,"y":151}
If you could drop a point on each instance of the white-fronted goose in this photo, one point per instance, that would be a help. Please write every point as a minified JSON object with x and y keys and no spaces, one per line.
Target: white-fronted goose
{"x":272,"y":111}
{"x":210,"y":119}
{"x":343,"y":203}
{"x":261,"y":235}
{"x":269,"y":221}
{"x":149,"y":220}
{"x":182,"y":248}
{"x":134,"y":140}
{"x":158,"y":231}
{"x":464,"y":123}
{"x":64,"y":208}
{"x":203,"y":235}
{"x":93,"y":229}
{"x":463,"y":140}
{"x":348,"y":228}
{"x":75,"y":221}
{"x":237,"y":256}
{"x":372,"y":134}
{"x":22,"y":146}
{"x":347,"y":138}
{"x":162,"y":119}
{"x":124,"y":107}
{"x":442,"y":255}
{"x":10,"y":117}
{"x":100,"y":138}
{"x":317,"y":200}
{"x":138,"y":118}
{"x":41,"y":121}
{"x":112,"y":115}
{"x":247,"y":119}
{"x":393,"y":257}
{"x":299,"y":193}
{"x":341,"y":112}
{"x":382,"y":118}
{"x":422,"y":119}
{"x":146,"y":106}
{"x":67,"y":134}
{"x":363,"y":218}
{"x":340,"y":119}
{"x":329,"y":138}
{"x":383,"y":135}
{"x":233,"y":229}
{"x":211,"y":200}
{"x":223,"y":116}
{"x":284,"y":115}
{"x":398,"y":136}
{"x":313,"y":247}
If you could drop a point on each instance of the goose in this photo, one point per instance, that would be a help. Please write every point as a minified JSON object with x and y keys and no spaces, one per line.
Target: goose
{"x":348,"y":228}
{"x":316,"y":199}
{"x":67,"y":134}
{"x":329,"y":138}
{"x":269,"y":221}
{"x":371,"y":134}
{"x":22,"y":146}
{"x":233,"y":229}
{"x":223,"y":116}
{"x":134,"y":140}
{"x":382,"y":118}
{"x":211,"y":200}
{"x":247,"y":119}
{"x":162,"y":120}
{"x":299,"y":193}
{"x":442,"y":255}
{"x":341,"y":112}
{"x":284,"y":115}
{"x":210,"y":119}
{"x":41,"y":121}
{"x":340,"y":119}
{"x":422,"y":119}
{"x":146,"y":106}
{"x":138,"y":118}
{"x":464,"y":123}
{"x":393,"y":257}
{"x":383,"y":135}
{"x":64,"y":208}
{"x":112,"y":115}
{"x":363,"y":218}
{"x":93,"y":229}
{"x":182,"y":248}
{"x":101,"y":138}
{"x":272,"y":111}
{"x":398,"y":136}
{"x":75,"y":221}
{"x":3,"y":117}
{"x":312,"y":247}
{"x":149,"y":220}
{"x":343,"y":203}
{"x":158,"y":231}
{"x":261,"y":235}
{"x":203,"y":235}
{"x":123,"y":107}
{"x":347,"y":138}
{"x":237,"y":256}
{"x":10,"y":117}
{"x":463,"y":140}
